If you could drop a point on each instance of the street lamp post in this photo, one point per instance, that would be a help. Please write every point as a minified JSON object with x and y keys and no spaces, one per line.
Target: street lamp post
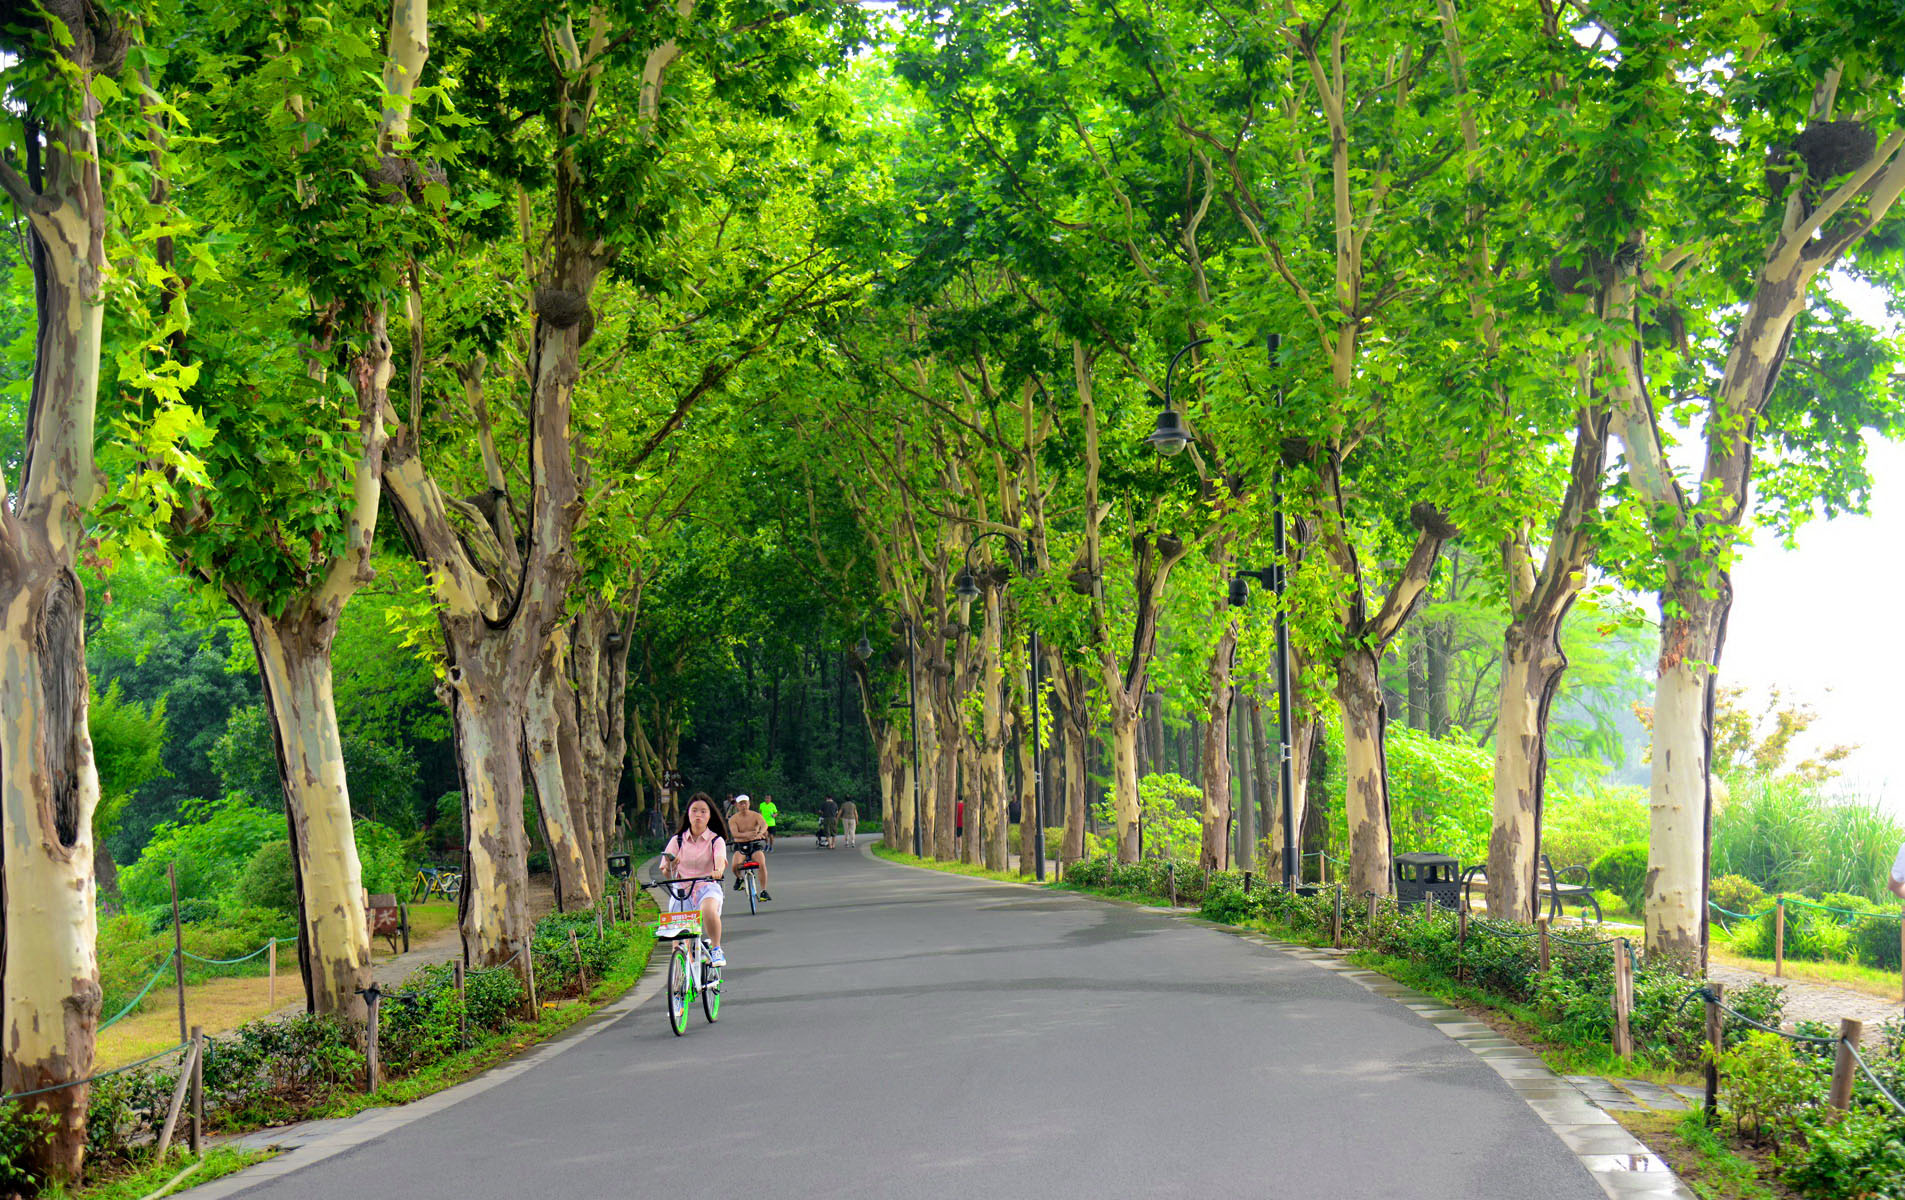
{"x":966,"y":587}
{"x":1275,"y":579}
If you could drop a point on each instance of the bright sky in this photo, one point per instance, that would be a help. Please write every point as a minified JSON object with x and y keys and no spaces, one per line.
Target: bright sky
{"x":1821,"y":623}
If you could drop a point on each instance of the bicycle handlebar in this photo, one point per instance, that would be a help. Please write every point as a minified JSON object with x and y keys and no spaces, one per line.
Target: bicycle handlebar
{"x":695,"y":879}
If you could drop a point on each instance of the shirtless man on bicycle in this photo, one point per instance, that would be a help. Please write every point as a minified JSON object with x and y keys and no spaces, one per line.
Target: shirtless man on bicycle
{"x":749,"y":830}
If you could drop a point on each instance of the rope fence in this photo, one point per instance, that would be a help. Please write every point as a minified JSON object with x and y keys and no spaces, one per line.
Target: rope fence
{"x":59,"y":1087}
{"x":145,"y":991}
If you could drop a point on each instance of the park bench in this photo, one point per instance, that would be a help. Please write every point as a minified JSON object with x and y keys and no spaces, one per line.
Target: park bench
{"x":1559,"y":893}
{"x":388,"y":918}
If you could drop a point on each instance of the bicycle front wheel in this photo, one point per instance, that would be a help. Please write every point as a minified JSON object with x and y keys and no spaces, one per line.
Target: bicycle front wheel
{"x":753,"y":887}
{"x":711,"y":995}
{"x":678,"y":991}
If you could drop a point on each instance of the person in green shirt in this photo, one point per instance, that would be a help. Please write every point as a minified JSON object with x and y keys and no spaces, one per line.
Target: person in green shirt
{"x":767,"y":810}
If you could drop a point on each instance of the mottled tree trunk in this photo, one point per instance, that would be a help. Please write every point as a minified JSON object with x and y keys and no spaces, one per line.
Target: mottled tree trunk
{"x":1124,"y":780}
{"x":1214,"y":852}
{"x":1366,"y":798}
{"x":553,"y":743}
{"x":494,"y":906}
{"x":1532,"y":664}
{"x":49,"y":784}
{"x":1680,"y":802}
{"x":294,"y":665}
{"x":992,"y":760}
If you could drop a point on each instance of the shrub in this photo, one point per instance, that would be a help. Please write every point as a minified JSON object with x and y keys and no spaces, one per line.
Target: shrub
{"x":1812,"y":934}
{"x":268,"y":1070}
{"x":1861,"y":1154}
{"x":1623,"y":869}
{"x":1875,"y":941}
{"x":1576,"y":829}
{"x":268,"y":880}
{"x":22,"y":1132}
{"x":1764,"y":1085}
{"x":1735,"y":893}
{"x":384,"y":858}
{"x":209,"y":845}
{"x":556,"y":960}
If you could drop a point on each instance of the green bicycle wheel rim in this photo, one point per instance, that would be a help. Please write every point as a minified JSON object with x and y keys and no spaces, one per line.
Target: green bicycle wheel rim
{"x":678,"y":992}
{"x":711,"y":999}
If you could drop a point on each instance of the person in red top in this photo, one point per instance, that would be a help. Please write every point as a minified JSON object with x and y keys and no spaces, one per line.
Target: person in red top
{"x":699,"y":850}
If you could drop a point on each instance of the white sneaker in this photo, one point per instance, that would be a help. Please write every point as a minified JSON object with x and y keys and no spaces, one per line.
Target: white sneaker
{"x":717,"y":958}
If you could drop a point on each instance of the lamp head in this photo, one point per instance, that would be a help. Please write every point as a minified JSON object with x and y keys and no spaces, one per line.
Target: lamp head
{"x":965,"y":586}
{"x":1169,"y":438}
{"x":1239,"y":592}
{"x":863,"y":649}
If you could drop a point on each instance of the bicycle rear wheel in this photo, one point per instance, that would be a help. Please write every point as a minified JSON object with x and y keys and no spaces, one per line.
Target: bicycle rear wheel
{"x":678,"y":991}
{"x":710,"y":994}
{"x":753,"y":887}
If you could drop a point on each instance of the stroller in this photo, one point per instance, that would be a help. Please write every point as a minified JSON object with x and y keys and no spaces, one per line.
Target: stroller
{"x":823,"y":835}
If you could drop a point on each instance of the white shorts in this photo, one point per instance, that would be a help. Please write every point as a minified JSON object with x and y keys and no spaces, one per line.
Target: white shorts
{"x":693,"y":903}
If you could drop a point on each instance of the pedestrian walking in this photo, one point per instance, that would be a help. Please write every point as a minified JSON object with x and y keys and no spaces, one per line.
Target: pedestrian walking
{"x":849,"y":818}
{"x":1897,"y":882}
{"x":828,"y":811}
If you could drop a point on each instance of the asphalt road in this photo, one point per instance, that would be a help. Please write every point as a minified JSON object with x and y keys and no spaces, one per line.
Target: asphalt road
{"x":889,"y":1032}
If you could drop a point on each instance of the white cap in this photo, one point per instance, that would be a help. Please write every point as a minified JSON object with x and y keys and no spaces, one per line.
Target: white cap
{"x":741,"y":799}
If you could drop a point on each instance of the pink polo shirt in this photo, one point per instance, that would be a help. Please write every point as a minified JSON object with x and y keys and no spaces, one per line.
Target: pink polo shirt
{"x":695,"y":857}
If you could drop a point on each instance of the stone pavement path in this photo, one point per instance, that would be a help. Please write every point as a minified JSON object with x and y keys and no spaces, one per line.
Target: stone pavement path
{"x":1816,"y":1001}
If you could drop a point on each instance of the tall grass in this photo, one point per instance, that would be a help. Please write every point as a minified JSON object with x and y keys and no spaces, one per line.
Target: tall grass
{"x":1790,"y":835}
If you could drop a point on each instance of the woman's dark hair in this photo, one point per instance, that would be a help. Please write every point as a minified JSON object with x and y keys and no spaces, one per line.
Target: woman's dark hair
{"x":717,"y":821}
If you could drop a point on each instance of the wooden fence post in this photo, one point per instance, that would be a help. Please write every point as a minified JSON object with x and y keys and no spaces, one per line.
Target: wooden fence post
{"x":1715,"y":1035}
{"x":373,"y":994}
{"x":172,"y":1111}
{"x":1842,"y":1063}
{"x":1170,"y":876}
{"x":198,"y":1091}
{"x":581,"y":973}
{"x":178,"y":948}
{"x":1779,"y":936}
{"x":1336,"y":923}
{"x":1623,"y":999}
{"x":271,"y":973}
{"x":1541,"y":934}
{"x":462,"y":1006}
{"x":598,"y":922}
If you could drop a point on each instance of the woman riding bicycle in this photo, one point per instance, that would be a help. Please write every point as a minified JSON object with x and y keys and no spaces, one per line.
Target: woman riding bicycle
{"x":699,"y":850}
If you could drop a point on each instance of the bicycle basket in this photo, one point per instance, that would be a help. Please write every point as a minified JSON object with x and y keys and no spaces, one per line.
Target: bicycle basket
{"x":679,"y":925}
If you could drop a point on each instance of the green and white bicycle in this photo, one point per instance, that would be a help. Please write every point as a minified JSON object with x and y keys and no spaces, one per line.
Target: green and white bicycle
{"x":692,"y":973}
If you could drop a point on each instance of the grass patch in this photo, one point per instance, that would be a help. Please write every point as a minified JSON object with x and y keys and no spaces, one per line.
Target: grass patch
{"x":221,"y":1005}
{"x":951,"y":867}
{"x":1705,"y":1163}
{"x":135,"y":1184}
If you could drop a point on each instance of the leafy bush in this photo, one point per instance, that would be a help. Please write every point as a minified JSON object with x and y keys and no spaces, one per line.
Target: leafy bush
{"x":1764,"y":1085}
{"x":209,"y":844}
{"x":1623,"y":869}
{"x":1812,"y":935}
{"x":1735,"y":893}
{"x":556,"y":959}
{"x":268,"y":880}
{"x":1875,"y":941}
{"x":1576,"y":829}
{"x":387,"y":861}
{"x":268,"y":1070}
{"x":22,"y":1132}
{"x":1858,"y":1156}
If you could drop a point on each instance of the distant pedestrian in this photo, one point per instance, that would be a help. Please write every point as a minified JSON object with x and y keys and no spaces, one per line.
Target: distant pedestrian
{"x":1897,"y":882}
{"x":828,"y":810}
{"x":849,"y":818}
{"x":959,"y":824}
{"x":1012,"y":812}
